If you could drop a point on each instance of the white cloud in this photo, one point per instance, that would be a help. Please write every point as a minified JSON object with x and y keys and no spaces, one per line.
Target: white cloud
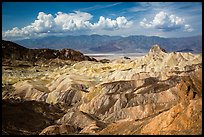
{"x":188,"y":28}
{"x":65,"y":23}
{"x":108,"y":24}
{"x":43,"y":24}
{"x":165,"y":22}
{"x":72,"y":21}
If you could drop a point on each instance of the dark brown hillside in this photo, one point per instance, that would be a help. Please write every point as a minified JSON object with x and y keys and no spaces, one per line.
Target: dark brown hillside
{"x":12,"y":51}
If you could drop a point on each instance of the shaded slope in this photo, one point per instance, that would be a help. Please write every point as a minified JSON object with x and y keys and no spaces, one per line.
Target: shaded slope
{"x":27,"y":117}
{"x":12,"y":51}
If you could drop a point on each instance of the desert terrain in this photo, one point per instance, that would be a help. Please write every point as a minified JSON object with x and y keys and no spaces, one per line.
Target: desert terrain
{"x":61,"y":92}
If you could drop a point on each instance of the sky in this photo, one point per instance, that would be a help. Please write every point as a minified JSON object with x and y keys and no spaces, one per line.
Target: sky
{"x":29,"y":20}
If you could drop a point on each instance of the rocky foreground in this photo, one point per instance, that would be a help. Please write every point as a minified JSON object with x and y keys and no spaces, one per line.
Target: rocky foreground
{"x":159,"y":93}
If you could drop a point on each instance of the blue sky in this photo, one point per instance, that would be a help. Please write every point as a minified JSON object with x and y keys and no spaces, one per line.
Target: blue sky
{"x":27,"y":20}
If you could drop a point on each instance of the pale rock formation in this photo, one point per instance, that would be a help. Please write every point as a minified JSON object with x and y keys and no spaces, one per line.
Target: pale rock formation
{"x":58,"y":130}
{"x":159,"y":93}
{"x":82,"y":120}
{"x":31,"y":90}
{"x":183,"y":118}
{"x":130,"y":99}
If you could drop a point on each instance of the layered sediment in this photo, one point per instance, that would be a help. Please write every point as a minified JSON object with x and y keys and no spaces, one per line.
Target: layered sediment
{"x":159,"y":93}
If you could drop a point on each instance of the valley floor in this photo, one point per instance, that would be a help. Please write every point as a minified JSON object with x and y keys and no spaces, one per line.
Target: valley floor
{"x":112,"y":56}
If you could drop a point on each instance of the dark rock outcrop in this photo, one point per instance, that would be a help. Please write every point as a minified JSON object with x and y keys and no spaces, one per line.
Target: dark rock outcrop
{"x":28,"y":117}
{"x":12,"y":51}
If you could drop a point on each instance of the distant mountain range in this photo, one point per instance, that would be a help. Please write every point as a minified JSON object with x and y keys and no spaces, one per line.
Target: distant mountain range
{"x":116,"y":44}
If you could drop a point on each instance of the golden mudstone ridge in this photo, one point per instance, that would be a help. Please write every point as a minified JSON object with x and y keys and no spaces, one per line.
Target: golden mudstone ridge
{"x":157,"y":49}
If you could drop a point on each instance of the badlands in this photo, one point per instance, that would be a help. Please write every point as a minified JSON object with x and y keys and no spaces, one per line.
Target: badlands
{"x":159,"y":93}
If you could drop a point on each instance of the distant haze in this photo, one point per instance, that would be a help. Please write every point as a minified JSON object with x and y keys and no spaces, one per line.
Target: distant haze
{"x":115,"y":44}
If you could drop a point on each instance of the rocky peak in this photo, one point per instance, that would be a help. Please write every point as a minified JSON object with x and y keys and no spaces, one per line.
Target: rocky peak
{"x":157,"y":49}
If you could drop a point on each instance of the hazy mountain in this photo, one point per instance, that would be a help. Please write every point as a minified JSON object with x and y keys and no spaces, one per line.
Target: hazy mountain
{"x":104,"y":43}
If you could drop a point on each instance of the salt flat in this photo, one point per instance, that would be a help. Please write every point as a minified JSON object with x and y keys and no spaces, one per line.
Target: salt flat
{"x":112,"y":56}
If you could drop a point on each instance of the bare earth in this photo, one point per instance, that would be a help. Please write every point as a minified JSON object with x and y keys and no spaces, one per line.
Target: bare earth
{"x":154,"y":93}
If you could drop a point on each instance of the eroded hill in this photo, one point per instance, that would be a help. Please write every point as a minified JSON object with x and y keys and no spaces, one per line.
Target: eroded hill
{"x":159,"y":93}
{"x":12,"y":53}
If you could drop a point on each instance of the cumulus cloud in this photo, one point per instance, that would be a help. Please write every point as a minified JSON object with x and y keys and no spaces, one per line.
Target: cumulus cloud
{"x":72,"y":21}
{"x":108,"y":24}
{"x":65,"y":23}
{"x":188,"y":28}
{"x":165,"y":22}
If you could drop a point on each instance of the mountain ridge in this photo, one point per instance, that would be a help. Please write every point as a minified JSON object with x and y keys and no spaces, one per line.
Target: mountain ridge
{"x":118,"y":44}
{"x":12,"y":51}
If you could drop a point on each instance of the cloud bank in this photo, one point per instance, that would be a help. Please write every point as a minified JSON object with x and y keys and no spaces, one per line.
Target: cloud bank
{"x":69,"y":23}
{"x":78,"y":23}
{"x":165,"y":22}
